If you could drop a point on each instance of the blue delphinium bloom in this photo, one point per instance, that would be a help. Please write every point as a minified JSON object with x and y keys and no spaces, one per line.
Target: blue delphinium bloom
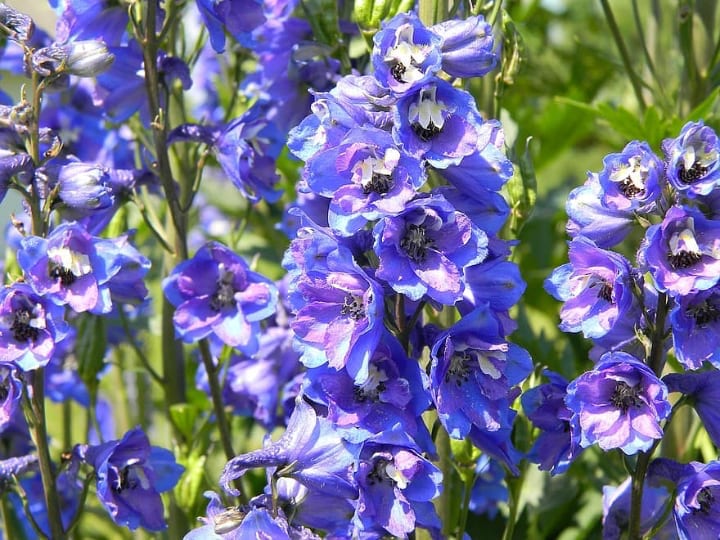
{"x":366,"y":176}
{"x":406,"y":53}
{"x":80,"y":186}
{"x":473,"y":370}
{"x":238,"y":17}
{"x":557,"y":446}
{"x":215,"y":292}
{"x":437,"y":122}
{"x":597,"y":288}
{"x":695,"y":324}
{"x":30,"y":327}
{"x":703,"y":389}
{"x":90,"y":19}
{"x":130,"y":477}
{"x":632,"y":180}
{"x":683,"y":252}
{"x":425,"y":249}
{"x":467,"y":48}
{"x":489,"y":488}
{"x":693,"y":160}
{"x":697,"y":502}
{"x":619,"y":404}
{"x":590,"y":217}
{"x":13,"y":164}
{"x":339,"y":311}
{"x":616,"y":510}
{"x":10,"y":391}
{"x":396,"y":486}
{"x":310,"y":451}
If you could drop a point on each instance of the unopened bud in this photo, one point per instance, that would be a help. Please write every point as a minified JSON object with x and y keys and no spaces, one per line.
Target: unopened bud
{"x":88,"y":58}
{"x":18,"y":24}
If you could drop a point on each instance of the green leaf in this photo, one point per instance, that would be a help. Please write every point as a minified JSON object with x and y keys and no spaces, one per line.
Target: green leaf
{"x":706,"y":108}
{"x":90,"y":348}
{"x":323,"y":18}
{"x":183,"y":415}
{"x":188,"y":489}
{"x":522,"y":190}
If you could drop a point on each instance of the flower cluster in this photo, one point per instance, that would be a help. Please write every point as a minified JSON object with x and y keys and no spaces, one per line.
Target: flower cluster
{"x":638,"y":311}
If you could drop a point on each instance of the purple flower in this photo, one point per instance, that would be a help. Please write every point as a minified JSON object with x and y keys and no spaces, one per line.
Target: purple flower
{"x":20,"y":25}
{"x":11,"y":164}
{"x":437,"y":122}
{"x":406,"y":54}
{"x":590,"y":217}
{"x":695,"y":324}
{"x":425,"y":249}
{"x":215,"y":292}
{"x":366,"y":176}
{"x":467,"y":47}
{"x":80,"y":186}
{"x":597,"y":288}
{"x":238,"y":17}
{"x":616,"y":509}
{"x":693,"y":160}
{"x":130,"y":477}
{"x":683,"y":252}
{"x":473,"y":370}
{"x":619,"y":404}
{"x":489,"y":488}
{"x":557,"y":446}
{"x":11,"y":388}
{"x":631,"y":181}
{"x":703,"y":389}
{"x":29,"y":327}
{"x":396,"y":486}
{"x":310,"y":451}
{"x":697,"y":500}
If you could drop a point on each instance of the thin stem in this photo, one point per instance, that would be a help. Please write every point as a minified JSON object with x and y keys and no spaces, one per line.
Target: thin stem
{"x":39,"y":432}
{"x":627,"y":62}
{"x":651,"y":65}
{"x":138,"y":350}
{"x":465,"y":510}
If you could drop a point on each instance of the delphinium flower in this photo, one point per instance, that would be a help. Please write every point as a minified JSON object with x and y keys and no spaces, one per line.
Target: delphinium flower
{"x":467,"y":48}
{"x":489,"y":487}
{"x":30,"y":327}
{"x":131,"y":474}
{"x":693,"y":160}
{"x":558,"y":445}
{"x":238,"y":17}
{"x":11,"y":389}
{"x":619,"y":404}
{"x":616,"y":511}
{"x":702,"y":389}
{"x":695,"y":323}
{"x":215,"y":292}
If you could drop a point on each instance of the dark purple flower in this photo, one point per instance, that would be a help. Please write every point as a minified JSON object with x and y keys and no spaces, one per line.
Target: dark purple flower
{"x":406,"y":54}
{"x":597,"y":288}
{"x":437,"y":122}
{"x":339,"y":318}
{"x":130,"y":477}
{"x":683,"y":252}
{"x":695,"y":324}
{"x":396,"y":486}
{"x":591,"y":218}
{"x":366,"y":176}
{"x":619,"y":404}
{"x":632,"y":180}
{"x":616,"y":509}
{"x":473,"y":369}
{"x":425,"y":249}
{"x":215,"y":292}
{"x":467,"y":48}
{"x":30,"y":326}
{"x":703,"y":390}
{"x":310,"y":451}
{"x":693,"y":160}
{"x":557,"y":446}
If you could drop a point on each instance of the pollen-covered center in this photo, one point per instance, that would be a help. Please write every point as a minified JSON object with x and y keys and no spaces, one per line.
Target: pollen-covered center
{"x":224,"y":295}
{"x":631,"y":177}
{"x":684,"y":249}
{"x":416,"y":242}
{"x":426,"y":114}
{"x":625,"y":396}
{"x":353,"y":306}
{"x":376,"y":175}
{"x":66,"y":265}
{"x":459,"y":369}
{"x":694,"y":164}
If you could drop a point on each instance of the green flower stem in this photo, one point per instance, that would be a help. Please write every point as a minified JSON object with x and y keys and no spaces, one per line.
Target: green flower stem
{"x":656,"y":361}
{"x":624,"y":55}
{"x":433,"y":11}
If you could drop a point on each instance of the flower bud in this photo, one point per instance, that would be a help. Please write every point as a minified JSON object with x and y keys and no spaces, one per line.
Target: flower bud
{"x":18,"y":24}
{"x":467,"y":47}
{"x":88,"y":58}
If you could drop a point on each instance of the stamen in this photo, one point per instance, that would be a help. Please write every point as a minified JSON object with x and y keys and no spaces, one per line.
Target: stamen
{"x":625,"y":396}
{"x":415,"y":242}
{"x":224,"y":295}
{"x":353,"y":307}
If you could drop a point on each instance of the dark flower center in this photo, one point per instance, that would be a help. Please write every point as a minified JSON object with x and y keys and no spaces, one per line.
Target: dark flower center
{"x":372,"y":394}
{"x":605,"y":289}
{"x":628,"y":188}
{"x":126,"y":480}
{"x":21,"y":329}
{"x":224,"y":295}
{"x":688,"y":176}
{"x":625,"y":396}
{"x":683,"y":259}
{"x":379,"y":474}
{"x":353,"y":307}
{"x":65,"y":275}
{"x":379,"y":183}
{"x":416,"y":242}
{"x":704,"y":313}
{"x":425,"y":133}
{"x":459,"y":369}
{"x":397,"y":71}
{"x":705,"y":499}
